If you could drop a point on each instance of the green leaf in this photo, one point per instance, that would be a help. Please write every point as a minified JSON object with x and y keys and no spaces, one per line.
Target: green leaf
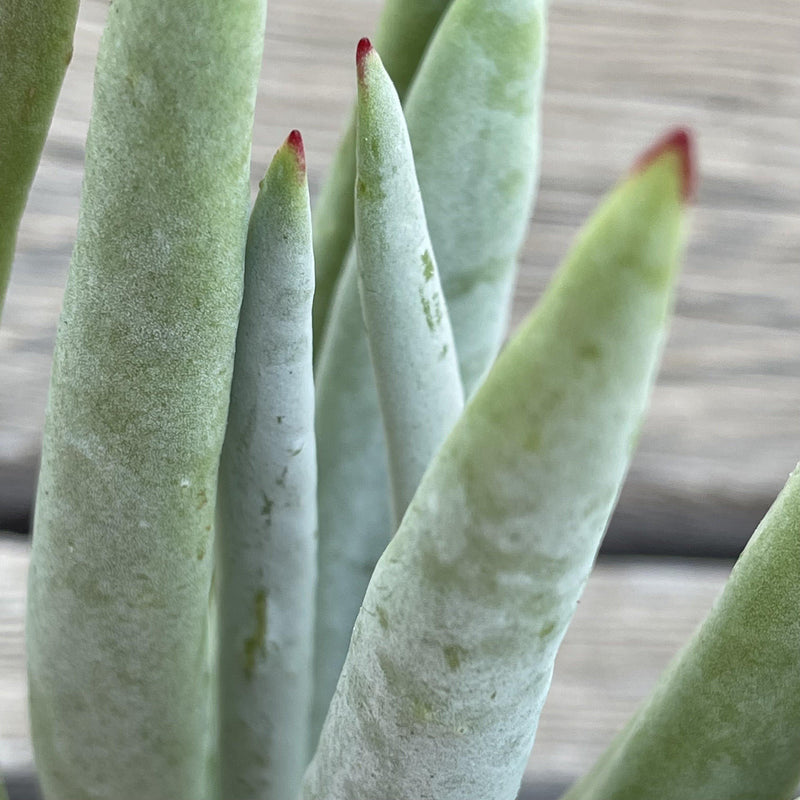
{"x":404,"y":29}
{"x":267,"y":522}
{"x":36,"y":47}
{"x":409,"y":333}
{"x":483,"y":71}
{"x":473,"y":113}
{"x":724,"y":719}
{"x":453,"y":649}
{"x":118,"y":641}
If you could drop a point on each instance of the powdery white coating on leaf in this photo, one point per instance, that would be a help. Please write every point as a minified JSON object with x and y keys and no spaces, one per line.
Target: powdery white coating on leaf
{"x":356,"y":521}
{"x":266,"y":527}
{"x":118,"y":640}
{"x":404,"y":28}
{"x":724,"y":719}
{"x":354,"y":491}
{"x":409,"y":333}
{"x":453,"y":649}
{"x":478,"y":92}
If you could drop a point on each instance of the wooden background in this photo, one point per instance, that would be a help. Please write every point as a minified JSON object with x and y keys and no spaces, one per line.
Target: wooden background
{"x":724,"y":428}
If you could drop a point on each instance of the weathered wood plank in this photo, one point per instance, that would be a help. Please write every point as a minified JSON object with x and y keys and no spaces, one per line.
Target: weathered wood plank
{"x":634,"y":616}
{"x":724,"y":430}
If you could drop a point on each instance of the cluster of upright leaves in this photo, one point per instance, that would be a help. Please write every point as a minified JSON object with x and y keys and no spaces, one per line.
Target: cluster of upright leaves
{"x":474,"y":100}
{"x":453,"y":649}
{"x":137,"y":658}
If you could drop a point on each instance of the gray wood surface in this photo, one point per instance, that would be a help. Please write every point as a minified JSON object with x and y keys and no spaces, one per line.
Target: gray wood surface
{"x":634,"y":616}
{"x":724,"y":429}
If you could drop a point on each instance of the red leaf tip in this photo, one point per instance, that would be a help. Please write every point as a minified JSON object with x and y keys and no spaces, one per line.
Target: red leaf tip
{"x":681,"y":142}
{"x":362,"y":51}
{"x":295,"y":141}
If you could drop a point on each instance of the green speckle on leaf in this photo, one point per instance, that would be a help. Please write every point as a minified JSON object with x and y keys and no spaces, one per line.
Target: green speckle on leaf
{"x":266,"y":508}
{"x":428,"y":269}
{"x":532,"y":440}
{"x":432,"y":308}
{"x":590,"y":352}
{"x":256,"y":644}
{"x":420,"y":710}
{"x":281,"y":479}
{"x":452,"y":655}
{"x":383,"y":618}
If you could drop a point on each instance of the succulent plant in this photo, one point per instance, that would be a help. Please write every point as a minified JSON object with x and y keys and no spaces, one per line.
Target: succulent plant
{"x":331,"y":552}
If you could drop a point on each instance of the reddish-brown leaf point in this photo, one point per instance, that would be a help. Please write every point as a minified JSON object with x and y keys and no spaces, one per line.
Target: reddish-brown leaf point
{"x":680,"y":142}
{"x":362,"y":51}
{"x":295,"y":141}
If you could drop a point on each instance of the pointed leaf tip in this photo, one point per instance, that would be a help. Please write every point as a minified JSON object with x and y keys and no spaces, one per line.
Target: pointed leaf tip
{"x":362,"y":51}
{"x":681,"y":142}
{"x":295,"y":141}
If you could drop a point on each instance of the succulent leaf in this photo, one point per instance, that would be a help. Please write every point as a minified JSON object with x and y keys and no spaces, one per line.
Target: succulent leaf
{"x":494,"y":45}
{"x":404,"y":30}
{"x":266,"y":522}
{"x":118,"y":628}
{"x":453,"y":649}
{"x":724,"y":718}
{"x":36,"y":47}
{"x":409,"y":333}
{"x":478,"y":92}
{"x":353,"y":498}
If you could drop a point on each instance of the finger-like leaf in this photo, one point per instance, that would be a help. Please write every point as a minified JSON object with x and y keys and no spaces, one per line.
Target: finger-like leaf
{"x":267,"y":522}
{"x":473,"y":113}
{"x":36,"y":47}
{"x":724,"y":719}
{"x":483,"y":71}
{"x":121,"y":566}
{"x":404,"y":30}
{"x":453,"y":649}
{"x":409,"y":333}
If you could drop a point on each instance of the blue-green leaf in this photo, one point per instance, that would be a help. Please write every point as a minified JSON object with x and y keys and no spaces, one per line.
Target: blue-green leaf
{"x":409,"y":333}
{"x":117,"y":629}
{"x":267,"y":522}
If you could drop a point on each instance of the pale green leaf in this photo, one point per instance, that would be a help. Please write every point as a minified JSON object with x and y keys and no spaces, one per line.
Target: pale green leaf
{"x":724,"y":719}
{"x":36,"y":47}
{"x":404,"y":29}
{"x":409,"y":333}
{"x":483,"y":71}
{"x":117,"y":629}
{"x":266,"y":522}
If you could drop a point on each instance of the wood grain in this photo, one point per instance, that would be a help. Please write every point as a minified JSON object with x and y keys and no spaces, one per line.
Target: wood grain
{"x":634,"y":616}
{"x":724,"y":429}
